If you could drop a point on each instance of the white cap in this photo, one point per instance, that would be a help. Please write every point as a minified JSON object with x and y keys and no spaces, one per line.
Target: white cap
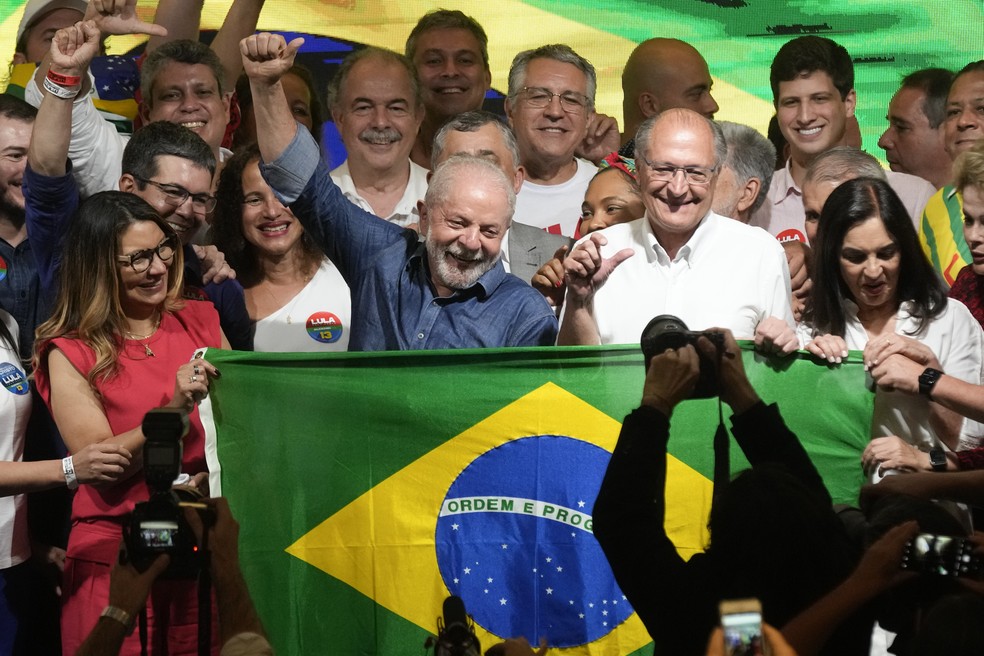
{"x":38,"y":9}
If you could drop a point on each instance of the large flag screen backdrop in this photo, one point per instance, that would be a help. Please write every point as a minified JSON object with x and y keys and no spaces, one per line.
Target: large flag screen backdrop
{"x":738,"y":38}
{"x":369,"y":487}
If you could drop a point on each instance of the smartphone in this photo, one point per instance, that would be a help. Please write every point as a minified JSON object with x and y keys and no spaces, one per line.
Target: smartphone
{"x":942,"y":555}
{"x":741,"y":620}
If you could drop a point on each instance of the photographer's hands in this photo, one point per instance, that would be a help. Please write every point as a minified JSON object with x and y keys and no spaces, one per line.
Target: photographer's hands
{"x":735,"y":389}
{"x":671,"y":378}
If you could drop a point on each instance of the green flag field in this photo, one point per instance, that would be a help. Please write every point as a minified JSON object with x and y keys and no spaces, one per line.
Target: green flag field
{"x":369,"y":487}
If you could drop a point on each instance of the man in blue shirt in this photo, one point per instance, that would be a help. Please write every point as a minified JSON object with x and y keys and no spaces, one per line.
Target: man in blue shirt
{"x":451,"y":291}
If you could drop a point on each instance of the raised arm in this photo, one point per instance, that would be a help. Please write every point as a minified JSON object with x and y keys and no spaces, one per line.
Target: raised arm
{"x":182,"y":19}
{"x":110,"y":17}
{"x":72,"y":50}
{"x":266,"y":57}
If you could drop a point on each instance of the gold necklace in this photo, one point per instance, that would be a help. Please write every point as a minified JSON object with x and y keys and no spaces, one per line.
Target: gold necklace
{"x":289,"y":305}
{"x":147,"y":350}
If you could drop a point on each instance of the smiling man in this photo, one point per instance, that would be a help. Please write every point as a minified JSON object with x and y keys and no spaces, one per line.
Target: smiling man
{"x":812,"y":82}
{"x":376,"y":104}
{"x":680,"y":258}
{"x":449,"y":292}
{"x":181,"y":82}
{"x":451,"y":54}
{"x":550,"y":103}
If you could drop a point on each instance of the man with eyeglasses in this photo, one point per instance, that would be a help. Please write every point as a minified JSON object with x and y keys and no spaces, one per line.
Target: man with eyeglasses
{"x":680,"y":258}
{"x":166,"y":164}
{"x":550,"y":103}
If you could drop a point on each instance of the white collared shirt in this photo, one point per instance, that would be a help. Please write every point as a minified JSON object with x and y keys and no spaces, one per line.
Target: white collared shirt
{"x":727,"y":275}
{"x":405,"y":212}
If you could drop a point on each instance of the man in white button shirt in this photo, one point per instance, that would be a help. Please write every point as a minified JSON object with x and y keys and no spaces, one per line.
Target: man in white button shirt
{"x":680,"y":258}
{"x":376,"y":104}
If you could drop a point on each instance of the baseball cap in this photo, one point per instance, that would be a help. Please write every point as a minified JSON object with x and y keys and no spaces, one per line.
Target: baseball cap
{"x":38,"y":9}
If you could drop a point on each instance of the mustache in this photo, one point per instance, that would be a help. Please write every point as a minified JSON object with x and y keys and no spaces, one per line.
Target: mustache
{"x":463,"y":253}
{"x":380,"y":136}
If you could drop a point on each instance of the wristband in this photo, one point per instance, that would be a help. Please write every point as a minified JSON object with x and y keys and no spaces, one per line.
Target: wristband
{"x":64,"y":80}
{"x":58,"y":91}
{"x":120,"y":615}
{"x":69,"y":470}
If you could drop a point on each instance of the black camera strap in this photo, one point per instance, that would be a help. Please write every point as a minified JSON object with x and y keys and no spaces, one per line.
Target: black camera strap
{"x":722,"y":455}
{"x":205,"y":598}
{"x":143,"y":630}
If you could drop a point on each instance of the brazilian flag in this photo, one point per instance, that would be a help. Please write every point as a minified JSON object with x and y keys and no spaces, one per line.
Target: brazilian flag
{"x":369,"y":487}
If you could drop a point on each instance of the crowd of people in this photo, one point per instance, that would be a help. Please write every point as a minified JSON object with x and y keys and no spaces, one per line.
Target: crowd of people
{"x":124,"y":256}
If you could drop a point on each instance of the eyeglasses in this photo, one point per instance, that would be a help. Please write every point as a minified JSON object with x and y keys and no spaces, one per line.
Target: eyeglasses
{"x":695,"y":175}
{"x":570,"y":101}
{"x":176,"y":195}
{"x":140,"y":261}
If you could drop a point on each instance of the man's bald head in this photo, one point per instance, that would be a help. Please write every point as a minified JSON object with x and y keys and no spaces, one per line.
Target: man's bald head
{"x":663,"y":74}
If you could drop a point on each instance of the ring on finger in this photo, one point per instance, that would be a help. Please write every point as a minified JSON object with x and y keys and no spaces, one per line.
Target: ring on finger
{"x":194,"y":379}
{"x":197,"y":370}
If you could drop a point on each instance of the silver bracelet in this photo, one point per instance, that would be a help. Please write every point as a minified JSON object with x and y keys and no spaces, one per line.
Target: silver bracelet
{"x":69,"y":470}
{"x":120,"y":615}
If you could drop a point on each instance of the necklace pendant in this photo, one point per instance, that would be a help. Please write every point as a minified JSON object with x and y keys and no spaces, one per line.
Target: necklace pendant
{"x":150,"y":354}
{"x":289,"y":320}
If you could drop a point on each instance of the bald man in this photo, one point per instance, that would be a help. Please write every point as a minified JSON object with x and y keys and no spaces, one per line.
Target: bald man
{"x":663,"y":74}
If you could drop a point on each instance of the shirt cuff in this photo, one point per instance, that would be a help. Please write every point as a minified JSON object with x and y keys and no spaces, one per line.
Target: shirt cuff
{"x":290,"y":173}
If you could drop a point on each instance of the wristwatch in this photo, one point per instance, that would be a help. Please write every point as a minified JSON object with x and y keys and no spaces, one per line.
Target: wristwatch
{"x":937,"y":459}
{"x":927,"y":380}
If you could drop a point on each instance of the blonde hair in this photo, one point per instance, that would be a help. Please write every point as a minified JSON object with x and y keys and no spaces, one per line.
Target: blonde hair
{"x":968,"y":168}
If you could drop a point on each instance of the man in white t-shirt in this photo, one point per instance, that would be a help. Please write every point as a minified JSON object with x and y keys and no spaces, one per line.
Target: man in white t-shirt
{"x":376,"y":104}
{"x":680,"y":258}
{"x":550,"y":103}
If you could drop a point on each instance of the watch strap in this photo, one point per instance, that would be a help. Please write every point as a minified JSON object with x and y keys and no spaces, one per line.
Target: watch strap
{"x":928,"y":379}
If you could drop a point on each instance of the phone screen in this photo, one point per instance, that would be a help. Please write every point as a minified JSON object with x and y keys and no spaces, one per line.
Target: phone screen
{"x":942,"y":555}
{"x":158,"y":535}
{"x":742,"y":633}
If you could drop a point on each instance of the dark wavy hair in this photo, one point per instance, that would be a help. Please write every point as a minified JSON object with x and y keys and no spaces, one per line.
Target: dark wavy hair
{"x":227,"y":223}
{"x":852,"y":203}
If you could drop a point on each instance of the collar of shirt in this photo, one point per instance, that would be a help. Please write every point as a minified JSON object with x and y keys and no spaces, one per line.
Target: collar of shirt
{"x":687,"y":253}
{"x":783,"y":180}
{"x":404,"y":208}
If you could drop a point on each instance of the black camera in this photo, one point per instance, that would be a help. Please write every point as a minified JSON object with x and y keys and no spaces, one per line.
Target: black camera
{"x":669,"y":332}
{"x":157,"y":526}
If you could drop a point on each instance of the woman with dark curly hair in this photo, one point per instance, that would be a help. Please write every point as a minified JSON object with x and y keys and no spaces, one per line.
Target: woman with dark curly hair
{"x":294,"y":294}
{"x":874,"y":290}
